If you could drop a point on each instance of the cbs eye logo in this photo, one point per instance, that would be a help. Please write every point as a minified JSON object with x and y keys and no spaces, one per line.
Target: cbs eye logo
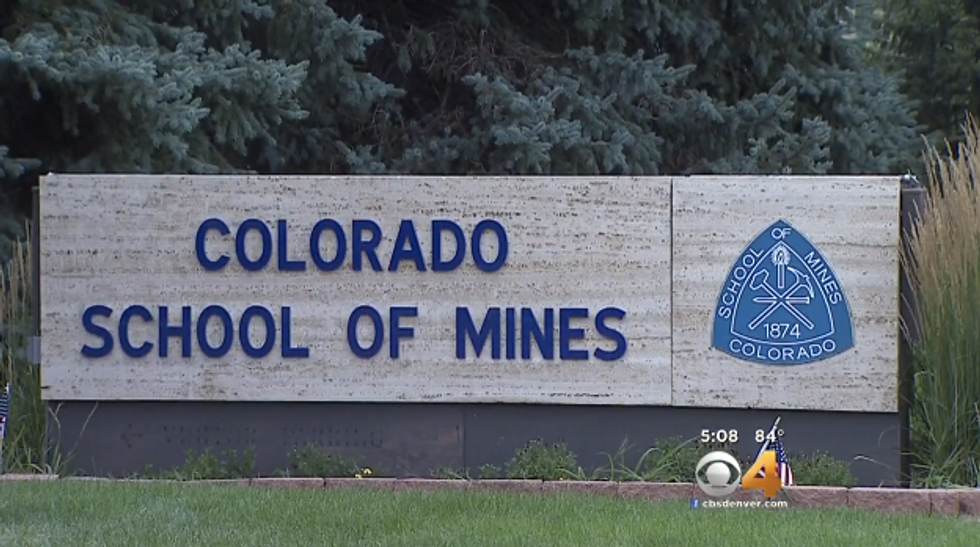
{"x":722,"y":472}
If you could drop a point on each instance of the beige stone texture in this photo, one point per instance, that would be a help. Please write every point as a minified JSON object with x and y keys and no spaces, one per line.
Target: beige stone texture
{"x":606,"y":488}
{"x":945,"y":502}
{"x":853,"y":222}
{"x":969,"y":501}
{"x":573,"y":242}
{"x":815,"y":496}
{"x":890,"y":500}
{"x":659,"y":490}
{"x":288,"y":482}
{"x":508,"y":485}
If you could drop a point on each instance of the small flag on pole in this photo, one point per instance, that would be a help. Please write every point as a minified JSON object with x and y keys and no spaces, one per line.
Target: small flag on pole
{"x":773,"y":442}
{"x":4,"y":407}
{"x":4,"y":411}
{"x":782,"y":464}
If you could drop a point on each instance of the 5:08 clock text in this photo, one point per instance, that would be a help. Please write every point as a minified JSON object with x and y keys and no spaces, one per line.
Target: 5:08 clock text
{"x":719,"y":436}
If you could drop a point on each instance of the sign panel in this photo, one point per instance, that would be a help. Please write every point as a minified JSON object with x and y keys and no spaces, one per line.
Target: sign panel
{"x":523,"y":290}
{"x":786,"y":292}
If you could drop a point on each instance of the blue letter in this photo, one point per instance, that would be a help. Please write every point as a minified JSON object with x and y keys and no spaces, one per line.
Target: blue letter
{"x":611,"y":333}
{"x":318,"y":228}
{"x":227,"y":328}
{"x":510,"y":337}
{"x":127,"y":315}
{"x":437,"y":228}
{"x":498,"y":262}
{"x":167,"y":332}
{"x":282,"y":250}
{"x":288,"y":350}
{"x":202,"y":232}
{"x":369,"y":246}
{"x":91,"y":313}
{"x":379,"y":334}
{"x":566,"y":334}
{"x":406,"y":234}
{"x":270,"y":331}
{"x":465,"y":327}
{"x":545,"y":339}
{"x":397,"y":331}
{"x":263,"y":259}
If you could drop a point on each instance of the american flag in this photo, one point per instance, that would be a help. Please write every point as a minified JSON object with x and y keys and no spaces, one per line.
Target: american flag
{"x":4,"y":410}
{"x":782,"y":463}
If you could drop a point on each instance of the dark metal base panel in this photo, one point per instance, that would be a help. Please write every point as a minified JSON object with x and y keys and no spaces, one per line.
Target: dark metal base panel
{"x":119,"y":438}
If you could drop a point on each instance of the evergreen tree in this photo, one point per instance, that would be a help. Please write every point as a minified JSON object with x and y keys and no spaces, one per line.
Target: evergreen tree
{"x":612,"y":86}
{"x":180,"y":87}
{"x":466,"y":86}
{"x":197,"y":87}
{"x":937,"y":45}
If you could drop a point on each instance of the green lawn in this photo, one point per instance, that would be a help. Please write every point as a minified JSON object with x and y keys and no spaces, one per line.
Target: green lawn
{"x":76,"y":513}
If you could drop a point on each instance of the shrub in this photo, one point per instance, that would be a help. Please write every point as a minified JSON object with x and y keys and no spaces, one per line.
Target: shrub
{"x":944,"y":264}
{"x":311,"y":461}
{"x":207,"y":466}
{"x":821,"y":469}
{"x":537,"y":460}
{"x":672,"y":459}
{"x":25,"y":448}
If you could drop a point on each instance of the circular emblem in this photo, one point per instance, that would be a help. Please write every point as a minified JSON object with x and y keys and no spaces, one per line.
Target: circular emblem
{"x":722,"y":473}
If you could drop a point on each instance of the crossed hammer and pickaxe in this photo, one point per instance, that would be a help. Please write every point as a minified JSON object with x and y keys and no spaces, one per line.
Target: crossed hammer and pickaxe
{"x":778,"y":300}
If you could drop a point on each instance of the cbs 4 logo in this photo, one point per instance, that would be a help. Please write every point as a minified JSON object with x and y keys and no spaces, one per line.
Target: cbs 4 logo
{"x":723,"y":474}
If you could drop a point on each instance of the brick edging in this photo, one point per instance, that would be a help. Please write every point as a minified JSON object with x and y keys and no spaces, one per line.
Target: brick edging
{"x":947,"y":502}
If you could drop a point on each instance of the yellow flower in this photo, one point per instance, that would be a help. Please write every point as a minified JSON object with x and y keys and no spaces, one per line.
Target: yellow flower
{"x":357,"y":475}
{"x":367,"y":470}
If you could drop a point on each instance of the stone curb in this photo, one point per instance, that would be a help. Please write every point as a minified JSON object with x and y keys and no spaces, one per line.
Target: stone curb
{"x":944,"y":502}
{"x":27,"y":477}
